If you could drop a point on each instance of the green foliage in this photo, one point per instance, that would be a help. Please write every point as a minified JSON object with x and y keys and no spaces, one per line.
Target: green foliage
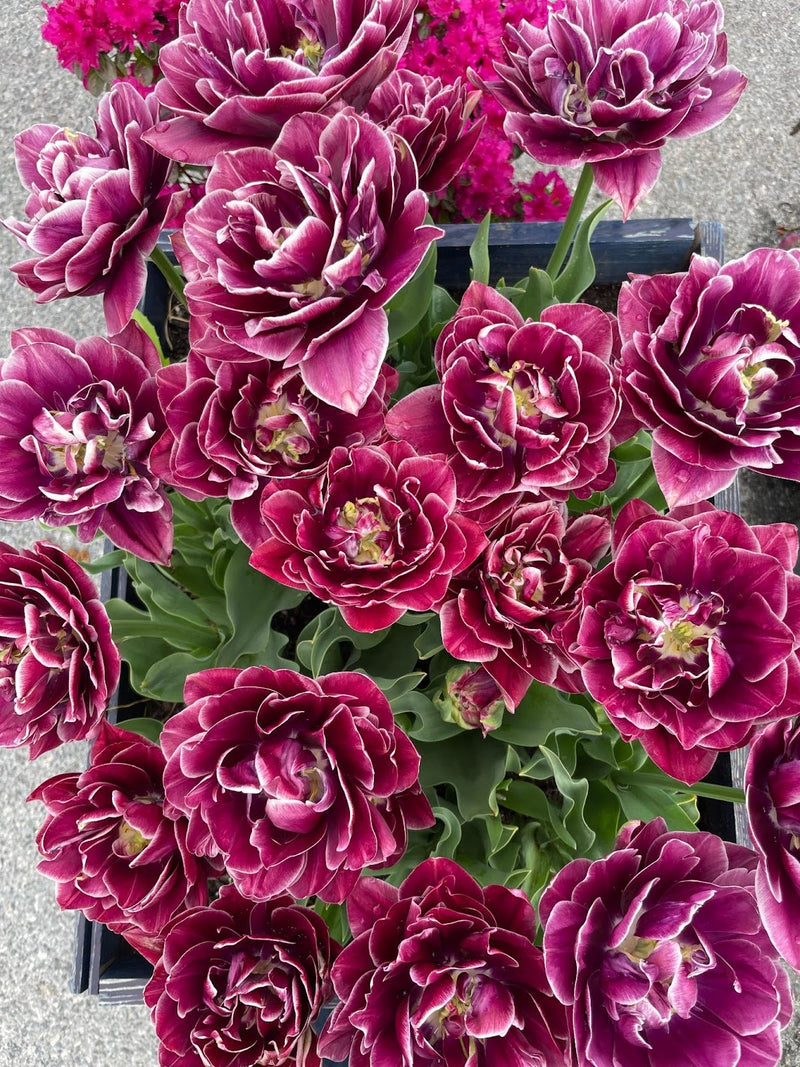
{"x":208,"y":609}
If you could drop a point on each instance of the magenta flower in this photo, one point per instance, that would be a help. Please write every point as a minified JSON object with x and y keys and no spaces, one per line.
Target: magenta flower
{"x":433,"y":118}
{"x":96,"y":206}
{"x":58,"y":664}
{"x":240,"y":69}
{"x":471,"y":698}
{"x":772,"y":786}
{"x":293,"y":252}
{"x":689,"y":637}
{"x":659,"y":954}
{"x":116,"y":849}
{"x":711,"y":363}
{"x":377,"y":534}
{"x":77,"y":422}
{"x":231,"y":426}
{"x":240,"y":984}
{"x":297,"y":783}
{"x":442,"y":971}
{"x":509,"y":609}
{"x":522,"y":407}
{"x":607,"y":83}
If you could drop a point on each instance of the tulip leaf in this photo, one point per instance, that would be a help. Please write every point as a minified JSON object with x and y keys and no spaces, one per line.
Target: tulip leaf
{"x":408,"y":307}
{"x":144,"y":727}
{"x":579,"y":272}
{"x":166,"y":677}
{"x":526,"y":798}
{"x":425,"y":722}
{"x":128,"y":622}
{"x":479,"y":252}
{"x":443,"y":307}
{"x":537,"y":294}
{"x":252,"y":600}
{"x":646,"y":802}
{"x":541,"y":711}
{"x":142,"y":320}
{"x":473,"y":768}
{"x":570,"y":824}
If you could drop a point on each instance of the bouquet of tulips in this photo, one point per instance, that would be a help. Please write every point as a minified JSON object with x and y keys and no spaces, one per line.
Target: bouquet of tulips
{"x":443,"y":629}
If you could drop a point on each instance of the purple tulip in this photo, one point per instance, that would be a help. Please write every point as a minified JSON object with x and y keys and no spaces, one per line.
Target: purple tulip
{"x":240,"y":984}
{"x":509,"y":609}
{"x":240,"y":69}
{"x":772,"y":786}
{"x":433,"y":118}
{"x":77,"y":422}
{"x":96,"y":206}
{"x":377,"y":534}
{"x":659,"y":954}
{"x":293,"y":252}
{"x":471,"y":698}
{"x":523,"y":407}
{"x":607,"y":83}
{"x":231,"y":426}
{"x":298,"y":783}
{"x":689,"y":637}
{"x":116,"y":849}
{"x":442,"y":971}
{"x":58,"y":664}
{"x":711,"y":363}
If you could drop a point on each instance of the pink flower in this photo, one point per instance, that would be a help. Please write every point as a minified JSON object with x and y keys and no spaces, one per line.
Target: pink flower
{"x":96,"y":206}
{"x":607,"y":83}
{"x":297,"y":783}
{"x":711,"y":363}
{"x":116,"y":849}
{"x":294,"y":252}
{"x":509,"y":609}
{"x":240,"y":984}
{"x":231,"y":426}
{"x":442,"y":971}
{"x":240,"y":69}
{"x":772,"y":789}
{"x":658,"y":953}
{"x":58,"y":664}
{"x":77,"y":422}
{"x":522,"y":406}
{"x":377,"y":534}
{"x":689,"y":637}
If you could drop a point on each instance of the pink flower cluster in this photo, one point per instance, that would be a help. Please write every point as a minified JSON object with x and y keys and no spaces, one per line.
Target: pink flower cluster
{"x":82,"y":31}
{"x":448,"y":42}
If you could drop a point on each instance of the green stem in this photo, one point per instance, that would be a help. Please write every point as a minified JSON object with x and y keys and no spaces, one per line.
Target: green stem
{"x":571,"y":222}
{"x":701,"y":789}
{"x":171,"y":273}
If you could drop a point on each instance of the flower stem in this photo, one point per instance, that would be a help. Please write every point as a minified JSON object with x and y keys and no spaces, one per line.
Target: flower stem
{"x":710,"y":790}
{"x":571,"y":222}
{"x":171,"y":273}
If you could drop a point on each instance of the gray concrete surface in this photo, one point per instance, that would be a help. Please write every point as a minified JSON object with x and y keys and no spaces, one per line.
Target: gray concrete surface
{"x":746,"y":174}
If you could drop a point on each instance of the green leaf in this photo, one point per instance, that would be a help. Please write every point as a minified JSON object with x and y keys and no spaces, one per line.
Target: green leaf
{"x":647,"y":802}
{"x":526,"y":798}
{"x":166,"y":677}
{"x":579,"y":272}
{"x":472,"y":766}
{"x":637,"y":448}
{"x":479,"y":252}
{"x":144,"y":727}
{"x":145,"y":323}
{"x":160,"y":595}
{"x":105,"y":562}
{"x":408,"y":307}
{"x":128,"y":622}
{"x":541,"y":711}
{"x":571,"y":826}
{"x":251,"y":600}
{"x":429,"y":641}
{"x":537,"y":294}
{"x":443,"y":307}
{"x":425,"y":722}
